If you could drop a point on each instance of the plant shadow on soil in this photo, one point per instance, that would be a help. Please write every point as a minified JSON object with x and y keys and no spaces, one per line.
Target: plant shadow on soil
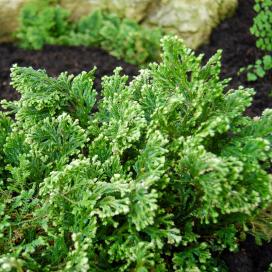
{"x":239,"y":50}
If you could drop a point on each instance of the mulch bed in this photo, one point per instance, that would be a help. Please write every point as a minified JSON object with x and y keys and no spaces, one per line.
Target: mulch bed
{"x":239,"y":50}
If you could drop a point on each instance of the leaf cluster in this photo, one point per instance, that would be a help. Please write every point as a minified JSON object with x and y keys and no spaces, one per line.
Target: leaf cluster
{"x":122,"y":38}
{"x":262,"y":30}
{"x":163,"y":176}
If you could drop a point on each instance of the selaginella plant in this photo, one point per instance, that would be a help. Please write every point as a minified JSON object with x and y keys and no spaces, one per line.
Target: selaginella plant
{"x":40,"y":23}
{"x":262,"y":30}
{"x":163,"y":176}
{"x":48,"y":23}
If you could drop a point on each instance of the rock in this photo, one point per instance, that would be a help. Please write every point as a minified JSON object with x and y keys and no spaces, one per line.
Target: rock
{"x":227,"y":8}
{"x":9,"y":11}
{"x":193,"y":20}
{"x":133,"y":9}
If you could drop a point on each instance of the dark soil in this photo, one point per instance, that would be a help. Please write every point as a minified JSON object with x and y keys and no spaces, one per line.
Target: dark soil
{"x":239,"y":50}
{"x":57,"y":59}
{"x":250,"y":258}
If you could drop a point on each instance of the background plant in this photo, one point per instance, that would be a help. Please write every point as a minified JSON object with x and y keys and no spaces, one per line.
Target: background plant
{"x":262,"y":30}
{"x":163,"y":177}
{"x":123,"y":38}
{"x":42,"y":23}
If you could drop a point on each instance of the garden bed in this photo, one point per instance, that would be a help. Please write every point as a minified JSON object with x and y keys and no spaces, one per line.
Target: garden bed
{"x":56,"y":59}
{"x":239,"y":50}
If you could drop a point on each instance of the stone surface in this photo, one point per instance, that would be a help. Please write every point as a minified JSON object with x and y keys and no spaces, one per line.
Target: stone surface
{"x":134,"y":9}
{"x":9,"y":11}
{"x":193,"y":20}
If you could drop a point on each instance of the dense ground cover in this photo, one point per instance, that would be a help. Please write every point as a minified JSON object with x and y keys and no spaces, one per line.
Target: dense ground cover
{"x":234,"y":46}
{"x":166,"y":173}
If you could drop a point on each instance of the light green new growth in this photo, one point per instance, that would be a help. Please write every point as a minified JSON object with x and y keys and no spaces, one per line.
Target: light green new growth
{"x":166,"y":174}
{"x":123,"y":38}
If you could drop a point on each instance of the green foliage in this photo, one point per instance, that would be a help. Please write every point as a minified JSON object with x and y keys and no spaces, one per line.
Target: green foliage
{"x":259,"y":69}
{"x":166,"y":174}
{"x":261,"y":225}
{"x":42,"y":25}
{"x":262,"y":30}
{"x":123,"y":38}
{"x":262,"y":24}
